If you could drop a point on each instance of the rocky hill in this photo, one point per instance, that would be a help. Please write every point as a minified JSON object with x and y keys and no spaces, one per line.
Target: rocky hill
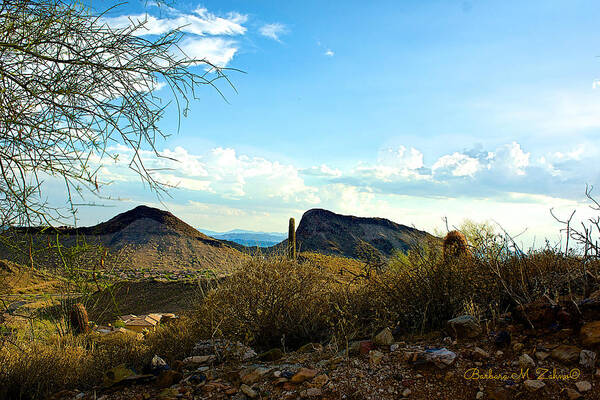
{"x":145,"y":237}
{"x":326,"y":232}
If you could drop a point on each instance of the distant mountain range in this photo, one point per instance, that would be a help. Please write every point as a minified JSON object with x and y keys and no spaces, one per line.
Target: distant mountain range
{"x":326,"y":232}
{"x":146,"y":237}
{"x":248,"y":238}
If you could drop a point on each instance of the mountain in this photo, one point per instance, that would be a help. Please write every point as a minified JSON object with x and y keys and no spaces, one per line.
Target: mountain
{"x":248,"y":238}
{"x":326,"y":232}
{"x":147,"y":237}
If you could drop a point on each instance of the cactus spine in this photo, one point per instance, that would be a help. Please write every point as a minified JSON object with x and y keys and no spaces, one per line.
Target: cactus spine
{"x":79,"y":319}
{"x":292,"y":239}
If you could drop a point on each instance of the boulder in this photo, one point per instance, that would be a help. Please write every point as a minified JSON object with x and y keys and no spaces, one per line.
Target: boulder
{"x":533,"y":385}
{"x":303,"y":374}
{"x":590,"y":333}
{"x":583,"y":386}
{"x":384,"y":338}
{"x":587,"y":359}
{"x":464,"y":326}
{"x":566,"y":354}
{"x":117,"y":374}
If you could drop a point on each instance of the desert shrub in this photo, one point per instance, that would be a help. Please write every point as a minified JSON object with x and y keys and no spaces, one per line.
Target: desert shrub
{"x":270,"y":300}
{"x":31,"y":369}
{"x":175,"y":340}
{"x":421,"y":290}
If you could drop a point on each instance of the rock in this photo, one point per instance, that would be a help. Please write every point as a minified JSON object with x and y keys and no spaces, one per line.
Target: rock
{"x":533,"y":385}
{"x":303,"y":374}
{"x":271,"y":355}
{"x":384,"y":338}
{"x":518,"y":347}
{"x":566,"y":354}
{"x":499,"y":354}
{"x":587,"y":359}
{"x":526,"y":362}
{"x":541,"y":355}
{"x":440,"y":357}
{"x":117,"y":374}
{"x":464,"y":326}
{"x":310,"y":347}
{"x":168,"y":378}
{"x":157,"y":365}
{"x":320,"y":380}
{"x":479,"y":353}
{"x":375,"y":357}
{"x":583,"y":386}
{"x":194,"y":361}
{"x":590,"y":333}
{"x":573,"y":394}
{"x":224,"y":349}
{"x":365,"y":347}
{"x":250,"y":376}
{"x":248,"y":391}
{"x":406,"y":392}
{"x":479,"y":395}
{"x":196,"y":379}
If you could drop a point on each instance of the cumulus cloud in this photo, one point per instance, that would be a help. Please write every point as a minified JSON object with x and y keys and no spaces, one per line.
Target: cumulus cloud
{"x":205,"y":31}
{"x":507,"y":173}
{"x":329,"y":53}
{"x":456,"y":164}
{"x":221,"y":171}
{"x":273,"y":31}
{"x":198,"y":22}
{"x":216,"y":50}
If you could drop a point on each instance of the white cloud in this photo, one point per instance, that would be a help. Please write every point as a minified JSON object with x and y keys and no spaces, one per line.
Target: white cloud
{"x":401,"y":158}
{"x":205,"y":31}
{"x":216,"y":50}
{"x":199,"y":22}
{"x":322,"y":170}
{"x":456,"y":164}
{"x":329,"y":53}
{"x":273,"y":31}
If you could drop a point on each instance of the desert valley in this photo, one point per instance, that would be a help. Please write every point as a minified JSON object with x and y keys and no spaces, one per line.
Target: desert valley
{"x":353,"y":308}
{"x":281,"y":200}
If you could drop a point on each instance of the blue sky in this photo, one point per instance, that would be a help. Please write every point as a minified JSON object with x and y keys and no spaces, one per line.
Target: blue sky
{"x":407,"y":110}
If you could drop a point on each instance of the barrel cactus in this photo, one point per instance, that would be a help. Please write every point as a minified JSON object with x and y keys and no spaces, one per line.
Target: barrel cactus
{"x":79,"y":319}
{"x":455,"y":245}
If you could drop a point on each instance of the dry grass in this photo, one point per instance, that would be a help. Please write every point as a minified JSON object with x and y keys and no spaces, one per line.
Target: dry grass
{"x":276,"y":302}
{"x":35,"y":369}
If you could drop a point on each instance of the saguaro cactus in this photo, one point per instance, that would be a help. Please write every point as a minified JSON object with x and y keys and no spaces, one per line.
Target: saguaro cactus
{"x":292,"y":239}
{"x":79,"y":319}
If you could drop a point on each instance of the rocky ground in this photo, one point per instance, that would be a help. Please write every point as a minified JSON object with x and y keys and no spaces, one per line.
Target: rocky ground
{"x":554,"y":360}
